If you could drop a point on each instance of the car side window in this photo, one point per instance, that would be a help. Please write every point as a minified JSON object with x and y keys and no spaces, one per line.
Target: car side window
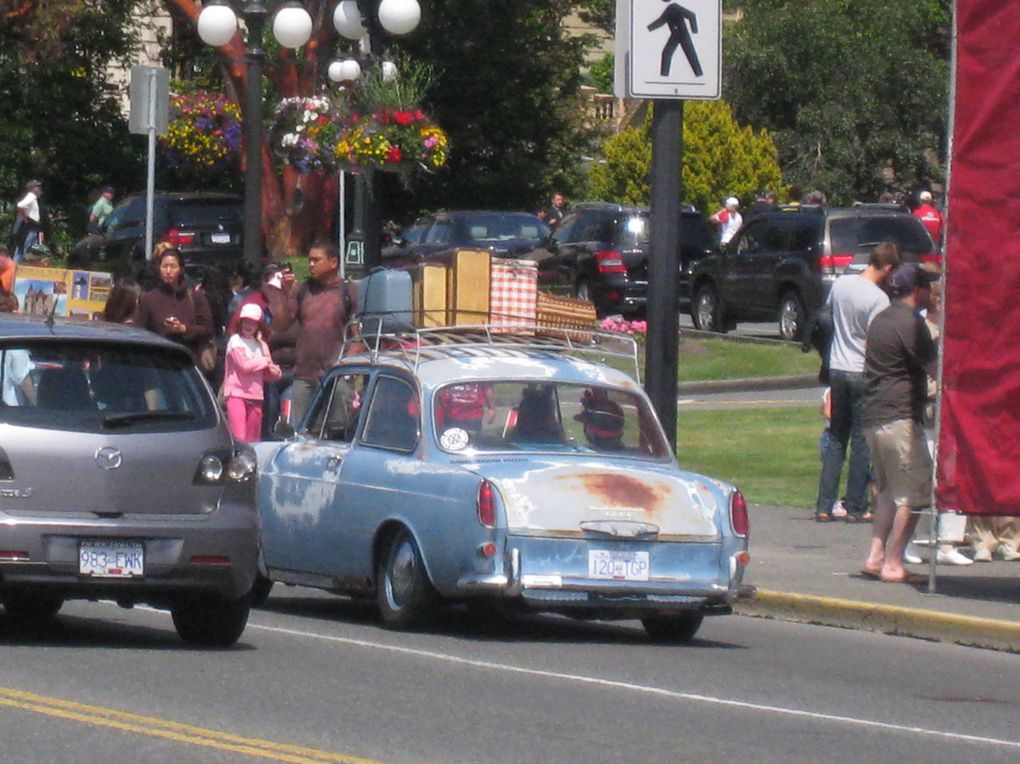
{"x":440,"y":233}
{"x":804,"y":237}
{"x":116,"y":219}
{"x":335,"y":414}
{"x":752,"y":239}
{"x":564,"y":232}
{"x":393,"y":415}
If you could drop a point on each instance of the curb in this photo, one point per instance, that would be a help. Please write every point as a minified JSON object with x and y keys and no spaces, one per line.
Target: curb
{"x":885,"y":619}
{"x":749,"y":384}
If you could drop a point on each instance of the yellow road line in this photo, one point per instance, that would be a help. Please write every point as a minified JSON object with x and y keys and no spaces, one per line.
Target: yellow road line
{"x":168,"y":730}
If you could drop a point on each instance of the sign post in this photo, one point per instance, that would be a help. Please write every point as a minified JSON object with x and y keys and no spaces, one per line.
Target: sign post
{"x":150,"y":106}
{"x":667,"y":51}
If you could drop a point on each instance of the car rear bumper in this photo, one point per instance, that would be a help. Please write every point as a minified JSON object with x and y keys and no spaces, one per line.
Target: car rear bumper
{"x":552,"y":574}
{"x":216,"y":554}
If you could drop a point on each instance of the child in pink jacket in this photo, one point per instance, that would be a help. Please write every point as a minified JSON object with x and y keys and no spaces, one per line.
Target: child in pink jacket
{"x":247,"y":365}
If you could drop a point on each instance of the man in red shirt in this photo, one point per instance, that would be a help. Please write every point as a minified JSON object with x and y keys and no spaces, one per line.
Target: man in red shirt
{"x":930,"y":216}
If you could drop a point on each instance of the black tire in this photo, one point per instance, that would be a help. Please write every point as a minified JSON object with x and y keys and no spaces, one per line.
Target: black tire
{"x":404,"y":594}
{"x":260,"y":590}
{"x":673,"y":629}
{"x":706,"y":311}
{"x":31,"y":609}
{"x":792,"y":316}
{"x":211,"y":621}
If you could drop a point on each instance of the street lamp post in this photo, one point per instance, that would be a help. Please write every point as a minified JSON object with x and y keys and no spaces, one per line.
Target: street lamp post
{"x":292,"y":27}
{"x":364,"y":20}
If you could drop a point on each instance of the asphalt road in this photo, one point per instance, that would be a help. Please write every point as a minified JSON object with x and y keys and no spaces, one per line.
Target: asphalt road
{"x":316,"y":679}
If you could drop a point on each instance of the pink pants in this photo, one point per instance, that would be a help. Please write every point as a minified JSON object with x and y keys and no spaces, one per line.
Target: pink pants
{"x":244,"y":417}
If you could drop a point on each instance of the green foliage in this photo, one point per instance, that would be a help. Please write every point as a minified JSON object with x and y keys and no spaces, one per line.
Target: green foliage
{"x":506,"y":92}
{"x":720,"y":158}
{"x":60,"y":120}
{"x":601,"y":73}
{"x":847,"y":89}
{"x":599,"y":13}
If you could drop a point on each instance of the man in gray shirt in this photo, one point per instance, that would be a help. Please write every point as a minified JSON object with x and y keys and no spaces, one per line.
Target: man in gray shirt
{"x":855,"y":299}
{"x":900,"y":357}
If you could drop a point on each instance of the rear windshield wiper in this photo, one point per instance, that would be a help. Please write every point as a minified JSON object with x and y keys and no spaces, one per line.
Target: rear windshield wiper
{"x":120,"y":420}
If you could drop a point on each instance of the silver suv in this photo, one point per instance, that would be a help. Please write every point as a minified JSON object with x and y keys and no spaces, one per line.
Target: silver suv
{"x":119,"y":480}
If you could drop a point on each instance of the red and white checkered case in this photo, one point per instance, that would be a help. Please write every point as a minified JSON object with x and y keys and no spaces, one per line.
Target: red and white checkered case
{"x":513,"y":296}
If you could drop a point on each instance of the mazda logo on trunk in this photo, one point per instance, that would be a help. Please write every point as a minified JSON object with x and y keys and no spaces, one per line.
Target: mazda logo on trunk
{"x":108,"y":458}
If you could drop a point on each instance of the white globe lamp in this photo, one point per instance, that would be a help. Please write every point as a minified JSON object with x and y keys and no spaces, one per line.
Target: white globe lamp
{"x":292,"y":26}
{"x":399,"y":16}
{"x":347,"y":20}
{"x":217,"y":25}
{"x":389,"y":71}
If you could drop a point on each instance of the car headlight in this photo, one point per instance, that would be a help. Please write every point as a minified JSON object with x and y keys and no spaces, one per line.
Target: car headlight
{"x":222,"y":465}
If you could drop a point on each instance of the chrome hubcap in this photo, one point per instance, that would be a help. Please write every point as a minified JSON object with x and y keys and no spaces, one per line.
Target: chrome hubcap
{"x":400,"y":583}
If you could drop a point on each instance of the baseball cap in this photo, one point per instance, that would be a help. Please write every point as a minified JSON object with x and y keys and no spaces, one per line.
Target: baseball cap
{"x":907,"y":277}
{"x":732,"y":201}
{"x":603,"y":419}
{"x":252,"y":311}
{"x":33,"y":184}
{"x":924,"y":196}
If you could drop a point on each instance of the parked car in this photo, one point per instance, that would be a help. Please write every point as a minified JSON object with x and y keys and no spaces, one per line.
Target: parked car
{"x":504,"y":234}
{"x":119,"y":480}
{"x":206,"y":227}
{"x":599,"y":252}
{"x":781,"y":264}
{"x":497,"y":470}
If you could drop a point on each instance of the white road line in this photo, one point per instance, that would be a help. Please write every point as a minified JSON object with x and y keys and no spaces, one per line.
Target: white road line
{"x":643,"y":689}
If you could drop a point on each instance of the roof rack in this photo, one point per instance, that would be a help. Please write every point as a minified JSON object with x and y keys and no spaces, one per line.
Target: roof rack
{"x":421,"y":344}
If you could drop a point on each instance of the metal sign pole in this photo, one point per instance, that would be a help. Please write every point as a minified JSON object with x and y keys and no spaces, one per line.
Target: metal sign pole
{"x":150,"y":184}
{"x":341,"y":223}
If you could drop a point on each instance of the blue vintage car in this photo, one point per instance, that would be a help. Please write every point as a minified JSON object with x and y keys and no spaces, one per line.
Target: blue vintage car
{"x":463,"y":465}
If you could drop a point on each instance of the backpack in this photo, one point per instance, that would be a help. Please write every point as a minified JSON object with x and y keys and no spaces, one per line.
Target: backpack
{"x":818,"y":336}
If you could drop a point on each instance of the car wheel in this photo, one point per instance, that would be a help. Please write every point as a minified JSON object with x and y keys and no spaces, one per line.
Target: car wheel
{"x":706,"y":313}
{"x":792,"y":316}
{"x":260,"y":590}
{"x":211,"y":621}
{"x":674,"y":629}
{"x":31,"y":609}
{"x":405,"y":596}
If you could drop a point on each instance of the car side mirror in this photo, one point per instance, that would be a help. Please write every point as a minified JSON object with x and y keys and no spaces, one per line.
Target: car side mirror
{"x":284,"y":430}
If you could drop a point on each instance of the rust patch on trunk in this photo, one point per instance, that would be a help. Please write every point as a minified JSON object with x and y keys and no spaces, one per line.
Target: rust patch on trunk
{"x":621,"y":490}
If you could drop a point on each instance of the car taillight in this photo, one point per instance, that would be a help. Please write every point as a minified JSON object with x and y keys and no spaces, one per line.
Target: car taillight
{"x":931,"y":257}
{"x":486,"y":505}
{"x":180,"y":238}
{"x":610,"y":261}
{"x":831,"y":262}
{"x":738,"y":514}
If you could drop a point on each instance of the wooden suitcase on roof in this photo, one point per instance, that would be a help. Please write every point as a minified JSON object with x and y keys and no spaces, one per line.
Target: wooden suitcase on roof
{"x":430,"y":303}
{"x":467,"y":288}
{"x":565,"y":313}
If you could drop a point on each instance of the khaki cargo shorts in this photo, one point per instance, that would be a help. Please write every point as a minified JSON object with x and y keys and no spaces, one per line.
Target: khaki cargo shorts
{"x":902,"y":462}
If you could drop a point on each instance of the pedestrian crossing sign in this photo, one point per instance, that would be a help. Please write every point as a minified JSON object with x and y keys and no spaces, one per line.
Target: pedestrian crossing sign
{"x":671,"y":48}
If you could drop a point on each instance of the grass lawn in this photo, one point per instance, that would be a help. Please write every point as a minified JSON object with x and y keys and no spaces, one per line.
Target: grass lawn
{"x":770,"y":454}
{"x":715,"y":359}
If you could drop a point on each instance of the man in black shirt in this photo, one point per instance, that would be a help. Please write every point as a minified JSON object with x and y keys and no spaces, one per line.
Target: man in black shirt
{"x":899,"y":354}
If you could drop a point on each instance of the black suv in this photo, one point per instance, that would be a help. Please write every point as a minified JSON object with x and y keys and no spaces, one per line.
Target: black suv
{"x":781,"y":264}
{"x":599,"y":252}
{"x":206,"y":227}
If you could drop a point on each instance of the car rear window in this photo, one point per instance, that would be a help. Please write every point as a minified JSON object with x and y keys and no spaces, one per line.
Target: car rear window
{"x":540,"y":416}
{"x":852,"y":235}
{"x":102,"y":387}
{"x":490,"y":228}
{"x":696,"y":232}
{"x":632,"y":232}
{"x":198,"y":212}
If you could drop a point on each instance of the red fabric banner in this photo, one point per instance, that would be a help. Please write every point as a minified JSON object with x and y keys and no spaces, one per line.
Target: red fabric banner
{"x":979,"y":445}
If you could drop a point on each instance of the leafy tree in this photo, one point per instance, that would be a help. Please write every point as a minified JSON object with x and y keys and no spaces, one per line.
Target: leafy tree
{"x":849,"y":89}
{"x":601,"y":73}
{"x":61,"y":119}
{"x":720,"y":158}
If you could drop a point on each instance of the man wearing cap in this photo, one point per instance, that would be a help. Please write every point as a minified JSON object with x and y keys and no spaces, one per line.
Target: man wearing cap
{"x":899,"y":357}
{"x":728,"y":219}
{"x":28,"y":223}
{"x":930,"y":216}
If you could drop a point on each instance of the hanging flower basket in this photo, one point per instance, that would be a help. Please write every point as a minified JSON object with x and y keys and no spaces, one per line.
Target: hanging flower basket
{"x":204,"y":132}
{"x":304,"y":133}
{"x":391,"y":140}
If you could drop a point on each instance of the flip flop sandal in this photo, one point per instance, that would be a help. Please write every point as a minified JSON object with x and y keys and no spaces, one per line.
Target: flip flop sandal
{"x":909,"y":578}
{"x":823,"y":517}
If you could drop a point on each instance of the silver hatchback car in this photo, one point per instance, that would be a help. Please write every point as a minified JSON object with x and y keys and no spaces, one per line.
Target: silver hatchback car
{"x":119,"y":480}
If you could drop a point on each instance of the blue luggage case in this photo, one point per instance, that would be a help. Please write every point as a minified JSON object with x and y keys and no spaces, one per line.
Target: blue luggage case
{"x":384,"y":301}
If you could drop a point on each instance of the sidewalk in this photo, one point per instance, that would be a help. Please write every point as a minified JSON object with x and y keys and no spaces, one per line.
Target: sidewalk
{"x":807,"y":571}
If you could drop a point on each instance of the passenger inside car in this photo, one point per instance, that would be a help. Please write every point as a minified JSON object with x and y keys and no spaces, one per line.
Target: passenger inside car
{"x":603,"y":421}
{"x":536,"y":416}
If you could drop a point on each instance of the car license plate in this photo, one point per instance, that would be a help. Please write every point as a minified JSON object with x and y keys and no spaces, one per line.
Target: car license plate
{"x":220,"y":238}
{"x":111,"y":559}
{"x":618,"y":566}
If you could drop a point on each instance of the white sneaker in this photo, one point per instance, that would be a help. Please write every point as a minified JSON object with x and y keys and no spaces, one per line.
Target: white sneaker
{"x":952,"y":557}
{"x":1008,"y":553}
{"x":839,"y":510}
{"x":911,"y":556}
